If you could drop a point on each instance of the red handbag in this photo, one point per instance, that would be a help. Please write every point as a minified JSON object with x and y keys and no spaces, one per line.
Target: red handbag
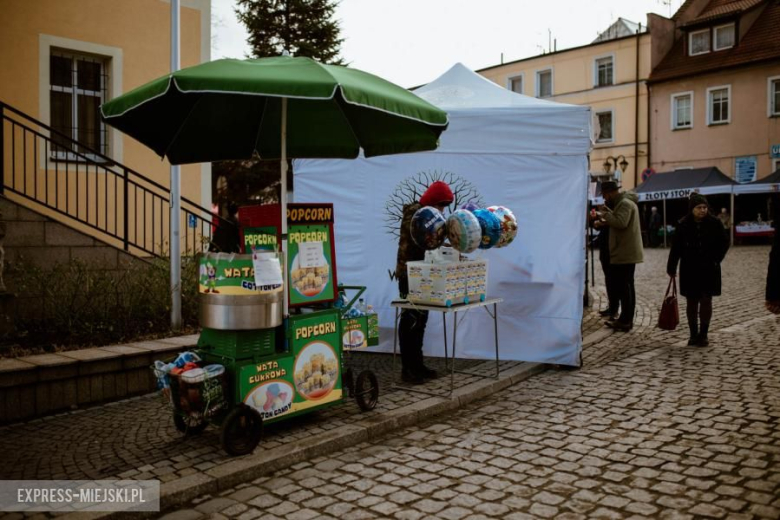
{"x":669,"y":317}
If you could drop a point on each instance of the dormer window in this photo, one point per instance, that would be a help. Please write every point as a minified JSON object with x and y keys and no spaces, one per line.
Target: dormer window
{"x":724,"y":37}
{"x":699,"y":42}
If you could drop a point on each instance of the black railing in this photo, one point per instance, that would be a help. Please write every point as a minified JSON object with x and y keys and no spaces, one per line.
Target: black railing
{"x":92,"y":190}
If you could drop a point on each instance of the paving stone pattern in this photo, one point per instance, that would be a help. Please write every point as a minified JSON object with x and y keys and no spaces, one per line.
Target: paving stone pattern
{"x":650,"y":428}
{"x":647,"y":429}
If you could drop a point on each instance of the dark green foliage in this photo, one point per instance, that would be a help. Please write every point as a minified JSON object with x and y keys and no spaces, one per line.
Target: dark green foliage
{"x":76,"y":304}
{"x":300,"y":27}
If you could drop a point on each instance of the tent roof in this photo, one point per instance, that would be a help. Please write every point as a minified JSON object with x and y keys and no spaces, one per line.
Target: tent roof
{"x":770,"y":183}
{"x":486,"y":118}
{"x":680,"y":183}
{"x":462,"y":88}
{"x":772,"y":178}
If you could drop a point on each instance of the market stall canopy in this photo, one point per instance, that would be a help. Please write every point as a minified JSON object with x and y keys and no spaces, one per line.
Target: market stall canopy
{"x":229,"y":109}
{"x":679,"y":184}
{"x":519,"y":124}
{"x":501,"y":147}
{"x":769,"y":184}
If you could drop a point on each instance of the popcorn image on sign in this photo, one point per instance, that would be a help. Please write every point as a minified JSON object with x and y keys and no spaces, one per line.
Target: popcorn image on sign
{"x":309,"y":281}
{"x":316,"y":371}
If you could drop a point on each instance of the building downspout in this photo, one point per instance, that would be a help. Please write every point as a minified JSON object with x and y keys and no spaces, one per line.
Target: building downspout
{"x":636,"y":111}
{"x":649,"y":135}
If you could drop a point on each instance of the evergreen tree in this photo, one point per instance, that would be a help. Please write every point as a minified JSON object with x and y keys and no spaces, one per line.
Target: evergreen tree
{"x":300,"y":27}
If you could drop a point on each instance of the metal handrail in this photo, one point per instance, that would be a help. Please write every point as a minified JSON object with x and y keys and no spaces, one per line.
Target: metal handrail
{"x":139,"y":194}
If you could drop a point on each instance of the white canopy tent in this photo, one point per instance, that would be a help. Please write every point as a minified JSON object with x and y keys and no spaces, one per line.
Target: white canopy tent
{"x":524,"y":153}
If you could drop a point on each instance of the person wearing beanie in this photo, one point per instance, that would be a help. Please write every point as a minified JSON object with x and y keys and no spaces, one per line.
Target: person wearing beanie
{"x":621,"y":214}
{"x":411,"y":325}
{"x":699,"y":245}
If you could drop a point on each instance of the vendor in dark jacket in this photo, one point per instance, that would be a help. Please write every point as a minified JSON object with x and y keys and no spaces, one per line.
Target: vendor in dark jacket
{"x":773,"y":271}
{"x":699,"y":246}
{"x":411,"y":326}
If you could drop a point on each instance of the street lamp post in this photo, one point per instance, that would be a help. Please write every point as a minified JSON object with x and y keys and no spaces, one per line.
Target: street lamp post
{"x":611,"y":163}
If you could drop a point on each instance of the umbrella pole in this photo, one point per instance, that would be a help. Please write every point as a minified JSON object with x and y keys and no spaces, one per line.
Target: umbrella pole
{"x":665,"y":230}
{"x":175,"y":192}
{"x":284,"y":203}
{"x":731,"y":227}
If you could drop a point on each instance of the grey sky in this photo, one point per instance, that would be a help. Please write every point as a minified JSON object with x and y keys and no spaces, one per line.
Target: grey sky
{"x":411,"y":42}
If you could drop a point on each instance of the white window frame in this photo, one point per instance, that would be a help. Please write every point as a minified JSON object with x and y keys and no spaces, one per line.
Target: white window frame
{"x":710,"y":122}
{"x":771,"y":109}
{"x":612,"y":116}
{"x":538,"y":83}
{"x":775,"y":165}
{"x":673,"y":118}
{"x":75,"y":92}
{"x":714,"y":37}
{"x":114,"y":63}
{"x":510,"y":79}
{"x":690,"y":42}
{"x":596,"y":70}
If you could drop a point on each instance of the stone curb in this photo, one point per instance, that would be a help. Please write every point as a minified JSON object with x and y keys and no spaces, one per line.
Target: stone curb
{"x":212,"y":481}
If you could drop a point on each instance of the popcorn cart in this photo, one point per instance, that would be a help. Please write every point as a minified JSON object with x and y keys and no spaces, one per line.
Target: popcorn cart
{"x":252,"y":365}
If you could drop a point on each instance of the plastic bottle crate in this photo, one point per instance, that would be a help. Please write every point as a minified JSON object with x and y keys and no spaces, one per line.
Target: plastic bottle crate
{"x":238,"y":344}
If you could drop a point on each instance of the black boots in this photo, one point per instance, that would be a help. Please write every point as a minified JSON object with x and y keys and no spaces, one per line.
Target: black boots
{"x":694,"y":339}
{"x":703,"y":340}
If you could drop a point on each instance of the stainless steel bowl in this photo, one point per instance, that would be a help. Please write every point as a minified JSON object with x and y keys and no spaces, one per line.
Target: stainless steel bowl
{"x":241,"y":312}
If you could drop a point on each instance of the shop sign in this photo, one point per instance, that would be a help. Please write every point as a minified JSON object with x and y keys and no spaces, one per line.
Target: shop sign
{"x":745,"y":169}
{"x":306,"y":378}
{"x":774,"y":152}
{"x":225,"y":273}
{"x":263,"y":238}
{"x":309,"y":213}
{"x":310,"y":264}
{"x":668,"y":194}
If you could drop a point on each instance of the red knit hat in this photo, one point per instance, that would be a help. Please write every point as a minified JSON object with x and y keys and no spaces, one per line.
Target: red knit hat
{"x":437,"y":193}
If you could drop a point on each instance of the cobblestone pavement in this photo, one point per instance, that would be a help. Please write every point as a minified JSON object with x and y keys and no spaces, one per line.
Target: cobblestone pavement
{"x":649,"y":428}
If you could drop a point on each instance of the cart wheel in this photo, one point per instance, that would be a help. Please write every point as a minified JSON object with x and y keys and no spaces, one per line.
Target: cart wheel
{"x":348,"y":382}
{"x":366,"y":390}
{"x":189,"y":425}
{"x":241,"y":430}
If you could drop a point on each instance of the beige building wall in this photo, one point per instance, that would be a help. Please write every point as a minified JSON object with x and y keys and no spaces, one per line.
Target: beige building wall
{"x":574,"y":79}
{"x":133,"y":37}
{"x":750,"y":132}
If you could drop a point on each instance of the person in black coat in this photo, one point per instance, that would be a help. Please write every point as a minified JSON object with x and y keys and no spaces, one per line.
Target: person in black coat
{"x":699,"y":246}
{"x":773,"y":271}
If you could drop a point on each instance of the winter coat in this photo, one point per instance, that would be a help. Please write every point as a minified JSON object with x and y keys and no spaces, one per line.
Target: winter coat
{"x":408,"y":250}
{"x":699,"y":247}
{"x":625,"y":234}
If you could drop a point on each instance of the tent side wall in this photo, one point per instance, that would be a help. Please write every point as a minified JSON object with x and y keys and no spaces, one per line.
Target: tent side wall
{"x":540,"y":276}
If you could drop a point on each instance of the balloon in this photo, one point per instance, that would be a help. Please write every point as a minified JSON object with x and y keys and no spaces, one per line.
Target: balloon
{"x":429,"y":228}
{"x":508,"y":224}
{"x":464,"y":231}
{"x":470,"y":206}
{"x":491,"y":228}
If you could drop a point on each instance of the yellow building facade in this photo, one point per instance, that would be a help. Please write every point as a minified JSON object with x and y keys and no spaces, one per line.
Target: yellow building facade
{"x":609,"y":76}
{"x":61,"y":59}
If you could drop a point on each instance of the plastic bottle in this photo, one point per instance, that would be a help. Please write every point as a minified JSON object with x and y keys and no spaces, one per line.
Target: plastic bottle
{"x":361,"y":307}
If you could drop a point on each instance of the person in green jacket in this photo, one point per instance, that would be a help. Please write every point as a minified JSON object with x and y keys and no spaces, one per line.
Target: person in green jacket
{"x":625,"y":249}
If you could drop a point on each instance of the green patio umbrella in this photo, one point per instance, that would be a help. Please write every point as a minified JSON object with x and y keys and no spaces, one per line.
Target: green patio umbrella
{"x":228,"y":109}
{"x":278,"y":107}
